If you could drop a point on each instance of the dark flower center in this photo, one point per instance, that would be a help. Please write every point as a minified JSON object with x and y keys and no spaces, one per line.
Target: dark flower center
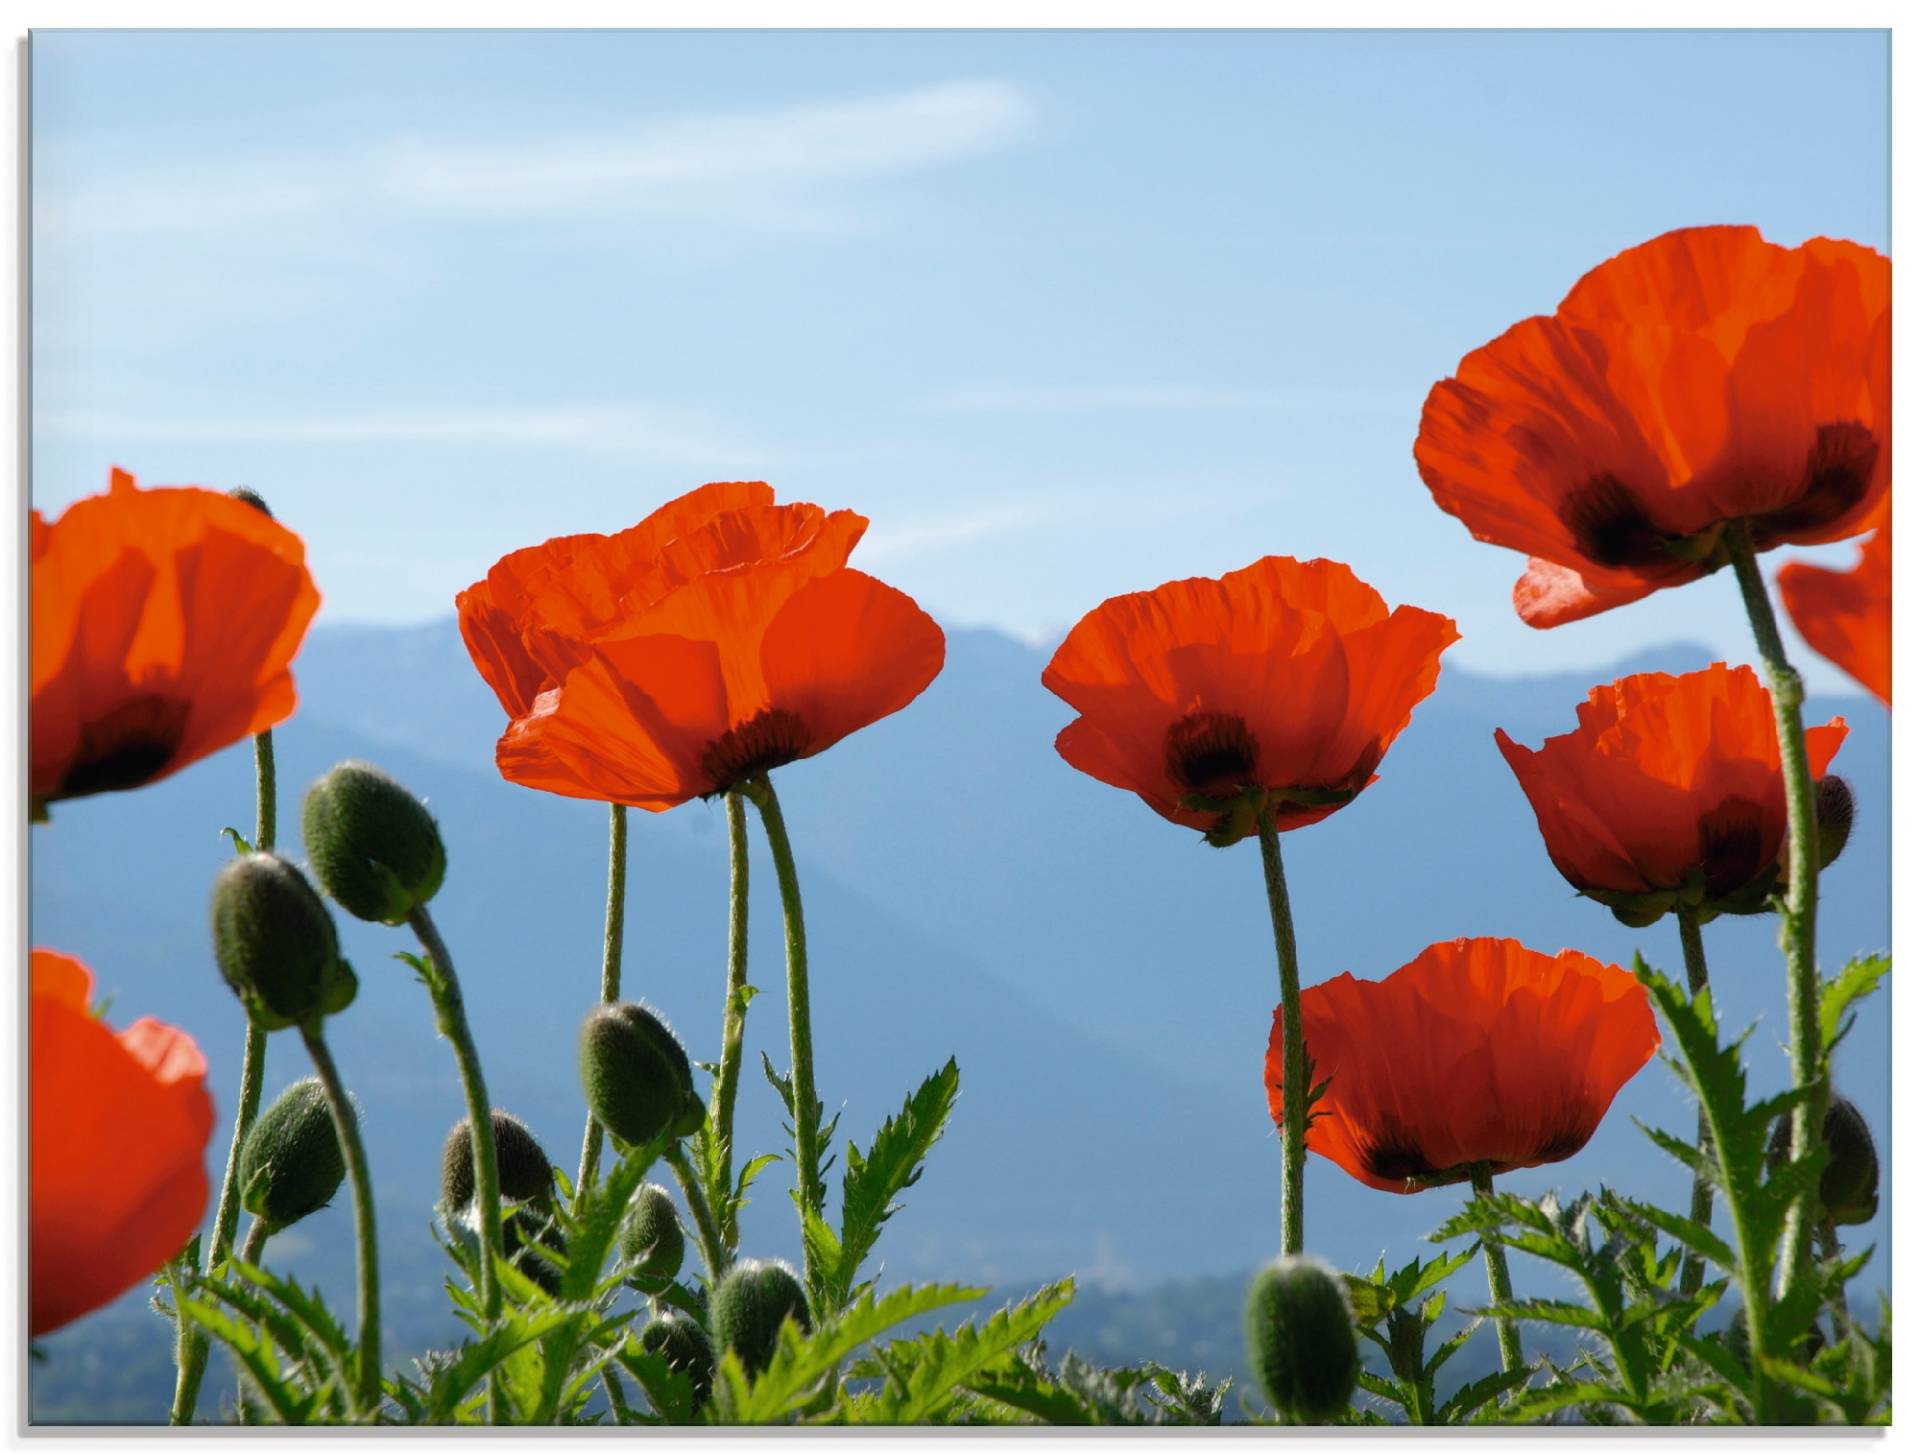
{"x":769,"y":739}
{"x":1733,"y":845}
{"x":1610,"y":528}
{"x":1211,"y":752}
{"x":1838,"y":470}
{"x":128,"y":746}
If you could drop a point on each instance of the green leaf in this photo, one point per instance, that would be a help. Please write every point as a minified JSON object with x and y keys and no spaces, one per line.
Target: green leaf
{"x":669,"y":1392}
{"x":1860,"y":978}
{"x":241,"y":847}
{"x":1694,"y":1236}
{"x":1468,"y":1400}
{"x":1547,"y":1310}
{"x":255,"y":1357}
{"x":938,"y":1364}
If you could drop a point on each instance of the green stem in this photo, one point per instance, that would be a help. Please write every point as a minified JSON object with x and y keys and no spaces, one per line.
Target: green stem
{"x":616,"y":1399}
{"x":191,"y":1347}
{"x":806,"y":1106}
{"x":1499,"y":1282}
{"x":451,"y":1013}
{"x":1294,"y":1091}
{"x":1701,"y":1210}
{"x":713,"y":1251}
{"x":1828,"y":1239}
{"x":1797,"y":912}
{"x":609,"y":972}
{"x":733,"y":1021}
{"x":250,"y":1251}
{"x":346,"y":1125}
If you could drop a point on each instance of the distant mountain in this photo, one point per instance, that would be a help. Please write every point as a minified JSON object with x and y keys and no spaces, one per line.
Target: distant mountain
{"x":1105,"y":980}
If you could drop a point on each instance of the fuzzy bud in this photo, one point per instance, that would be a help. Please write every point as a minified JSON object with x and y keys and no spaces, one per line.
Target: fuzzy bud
{"x":525,"y":1173}
{"x":638,"y":1079}
{"x":651,"y":1240}
{"x":751,"y":1303}
{"x":1833,"y":814}
{"x":373,"y":845}
{"x":520,"y":1227}
{"x":291,"y":1164}
{"x":275,"y":944}
{"x":249,"y":497}
{"x":1850,"y":1184}
{"x":1300,"y":1339}
{"x":683,"y":1344}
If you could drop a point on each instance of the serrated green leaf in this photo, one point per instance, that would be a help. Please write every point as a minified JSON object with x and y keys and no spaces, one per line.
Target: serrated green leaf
{"x":1859,"y":979}
{"x":1694,"y":1236}
{"x":1468,"y":1400}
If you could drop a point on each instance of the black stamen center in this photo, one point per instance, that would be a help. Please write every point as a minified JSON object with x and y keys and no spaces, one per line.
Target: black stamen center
{"x":1212,"y":753}
{"x":1610,"y":528}
{"x":772,"y":738}
{"x":1838,"y":471}
{"x":129,"y":746}
{"x":1733,"y":846}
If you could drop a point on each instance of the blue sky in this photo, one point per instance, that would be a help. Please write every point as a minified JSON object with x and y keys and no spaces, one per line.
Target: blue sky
{"x":1065,"y":313}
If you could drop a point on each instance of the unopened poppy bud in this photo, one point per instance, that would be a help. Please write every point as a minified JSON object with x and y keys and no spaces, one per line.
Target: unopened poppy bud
{"x":1833,"y":815}
{"x":751,"y":1303}
{"x":275,"y":944}
{"x":1850,"y":1184}
{"x":651,"y":1240}
{"x":373,"y":845}
{"x":291,"y":1164}
{"x":1638,"y":917}
{"x":250,"y":497}
{"x":525,"y":1173}
{"x":521,"y":1227}
{"x":638,"y":1079}
{"x":683,"y":1344}
{"x":1300,"y":1339}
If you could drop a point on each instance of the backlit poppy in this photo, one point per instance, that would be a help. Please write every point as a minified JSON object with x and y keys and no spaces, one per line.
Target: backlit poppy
{"x":1669,"y":787}
{"x":1702,"y":378}
{"x":163,"y":624}
{"x":1847,"y":616}
{"x":1290,"y":677}
{"x":691,"y":662}
{"x":1479,"y":1053}
{"x":117,"y":1178}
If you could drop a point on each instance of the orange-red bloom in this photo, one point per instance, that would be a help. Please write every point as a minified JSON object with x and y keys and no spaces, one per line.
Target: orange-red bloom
{"x":1670,"y":787}
{"x":1287,"y":677}
{"x":1847,"y":616}
{"x":1481,"y":1052}
{"x":163,"y":624}
{"x":1702,"y":378}
{"x":721,"y":637}
{"x":117,"y":1178}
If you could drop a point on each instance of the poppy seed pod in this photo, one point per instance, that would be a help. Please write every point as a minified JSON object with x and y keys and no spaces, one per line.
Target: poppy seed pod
{"x":651,"y":1240}
{"x":275,"y":944}
{"x":1833,"y":814}
{"x":638,"y":1080}
{"x":1850,"y":1185}
{"x":525,"y":1173}
{"x":749,"y":1306}
{"x":291,"y":1164}
{"x":373,"y":845}
{"x":683,"y":1343}
{"x":1300,"y":1339}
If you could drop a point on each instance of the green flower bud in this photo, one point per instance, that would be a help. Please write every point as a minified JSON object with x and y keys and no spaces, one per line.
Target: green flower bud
{"x":274,"y":941}
{"x":651,"y":1240}
{"x":683,"y":1343}
{"x":638,"y":1079}
{"x":249,"y":497}
{"x":291,"y":1163}
{"x":525,"y":1173}
{"x":520,"y":1227}
{"x":1850,"y":1184}
{"x":373,"y":845}
{"x":1833,"y":814}
{"x":1300,"y":1339}
{"x":751,"y":1303}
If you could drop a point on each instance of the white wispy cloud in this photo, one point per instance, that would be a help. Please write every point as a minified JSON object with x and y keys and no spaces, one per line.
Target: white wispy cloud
{"x":1097,"y":398}
{"x":893,"y":540}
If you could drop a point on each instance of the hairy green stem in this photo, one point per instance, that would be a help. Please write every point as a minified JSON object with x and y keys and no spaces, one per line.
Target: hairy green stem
{"x":1797,"y":912}
{"x":609,"y":972}
{"x":806,"y":1105}
{"x":1294,"y":1092}
{"x":1499,"y":1282}
{"x":713,"y":1250}
{"x":1693,"y":1272}
{"x":346,"y":1125}
{"x":733,"y":1020}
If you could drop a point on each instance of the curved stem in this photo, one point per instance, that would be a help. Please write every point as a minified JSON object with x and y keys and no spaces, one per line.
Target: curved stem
{"x":1701,"y":1210}
{"x":1294,"y":1092}
{"x":609,"y":972}
{"x":733,"y":1019}
{"x":1499,"y":1283}
{"x":1797,"y":912}
{"x":806,"y":1106}
{"x":256,"y":1240}
{"x":713,"y":1250}
{"x":451,"y":1013}
{"x":346,"y":1125}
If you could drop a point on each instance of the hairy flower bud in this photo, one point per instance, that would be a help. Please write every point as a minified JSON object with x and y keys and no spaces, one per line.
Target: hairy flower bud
{"x":1833,"y":814}
{"x":525,"y":1173}
{"x":250,"y":497}
{"x":651,"y":1240}
{"x":638,"y":1079}
{"x":522,"y":1226}
{"x":373,"y":845}
{"x":683,"y":1344}
{"x":291,"y":1163}
{"x":275,"y":944}
{"x":1850,"y":1184}
{"x":1300,"y":1339}
{"x":751,"y":1303}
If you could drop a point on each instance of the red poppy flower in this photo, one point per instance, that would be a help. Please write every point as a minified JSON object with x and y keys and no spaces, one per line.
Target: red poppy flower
{"x":1847,"y":616}
{"x":1670,"y":786}
{"x":117,"y":1179}
{"x":676,"y":665}
{"x":163,"y":624}
{"x":1481,"y":1052}
{"x":1287,"y":677}
{"x":1705,"y":377}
